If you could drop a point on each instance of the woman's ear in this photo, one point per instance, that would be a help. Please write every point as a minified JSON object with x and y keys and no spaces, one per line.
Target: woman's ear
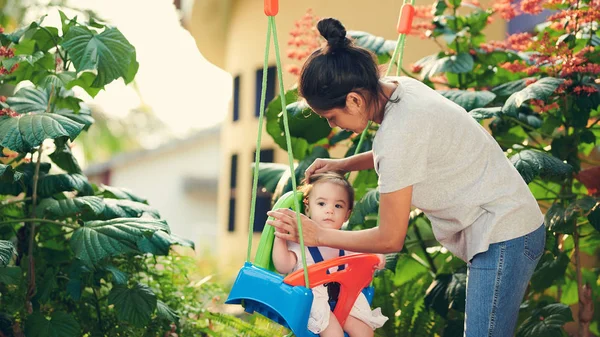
{"x":354,"y":101}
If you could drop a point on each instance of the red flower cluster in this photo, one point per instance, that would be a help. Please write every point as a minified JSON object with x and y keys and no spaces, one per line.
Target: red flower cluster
{"x":4,"y":71}
{"x":584,"y":90}
{"x":8,"y":112}
{"x":532,"y":7}
{"x":7,"y":52}
{"x":306,"y":38}
{"x":541,"y":106}
{"x":516,"y":42}
{"x":505,"y":8}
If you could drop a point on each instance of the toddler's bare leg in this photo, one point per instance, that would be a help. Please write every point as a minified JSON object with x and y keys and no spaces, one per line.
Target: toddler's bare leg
{"x":334,"y":329}
{"x":357,"y":328}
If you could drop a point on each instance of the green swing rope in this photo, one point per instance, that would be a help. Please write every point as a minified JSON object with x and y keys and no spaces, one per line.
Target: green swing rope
{"x":399,"y":52}
{"x":271,"y":27}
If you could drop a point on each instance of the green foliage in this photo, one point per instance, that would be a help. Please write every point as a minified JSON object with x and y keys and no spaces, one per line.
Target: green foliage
{"x":78,"y":259}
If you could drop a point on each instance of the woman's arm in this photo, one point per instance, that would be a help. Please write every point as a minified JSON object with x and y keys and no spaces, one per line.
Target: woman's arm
{"x":362,"y":161}
{"x":359,"y":162}
{"x":283,"y":259}
{"x":388,"y":237}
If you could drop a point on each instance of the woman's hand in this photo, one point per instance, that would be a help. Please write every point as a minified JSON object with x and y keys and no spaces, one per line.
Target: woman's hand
{"x":324,"y":165}
{"x":286,"y":226}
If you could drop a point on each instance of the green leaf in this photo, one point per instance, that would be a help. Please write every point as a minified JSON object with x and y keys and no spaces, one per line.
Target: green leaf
{"x":45,"y":286}
{"x":120,"y":193}
{"x":56,"y":81}
{"x":163,"y":311}
{"x":549,"y":269}
{"x":376,"y":44}
{"x":557,"y":220}
{"x":477,"y":21}
{"x":457,"y":64}
{"x":58,"y":324}
{"x":108,"y":52}
{"x":273,"y":114}
{"x":63,"y":157}
{"x":86,"y":81}
{"x":469,"y":100}
{"x":45,"y":38}
{"x":369,"y":204}
{"x":541,"y":90}
{"x":134,"y":305}
{"x":99,"y":239}
{"x":8,"y":174}
{"x":454,"y":3}
{"x":447,"y":291}
{"x":485,"y":113}
{"x":56,"y":183}
{"x":408,"y":269}
{"x":94,"y":208}
{"x":15,"y":36}
{"x":25,"y":132}
{"x":132,"y":70}
{"x":594,"y":218}
{"x":507,"y":89}
{"x":70,"y":207}
{"x":119,"y":208}
{"x":439,"y":7}
{"x":304,"y":123}
{"x":118,"y":276}
{"x":7,"y":250}
{"x":157,"y":243}
{"x":269,"y":175}
{"x":178,"y":240}
{"x":83,"y":116}
{"x":531,"y":163}
{"x":30,"y":99}
{"x":66,"y":23}
{"x":546,"y":322}
{"x":10,"y":275}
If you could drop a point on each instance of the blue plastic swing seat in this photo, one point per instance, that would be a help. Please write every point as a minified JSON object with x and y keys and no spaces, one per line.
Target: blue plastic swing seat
{"x":264,"y":292}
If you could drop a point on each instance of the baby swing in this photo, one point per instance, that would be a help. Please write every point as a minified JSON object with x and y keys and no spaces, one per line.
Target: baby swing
{"x":258,"y":287}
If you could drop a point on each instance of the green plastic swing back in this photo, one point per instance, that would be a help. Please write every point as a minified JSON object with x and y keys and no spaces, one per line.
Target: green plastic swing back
{"x":264,"y":253}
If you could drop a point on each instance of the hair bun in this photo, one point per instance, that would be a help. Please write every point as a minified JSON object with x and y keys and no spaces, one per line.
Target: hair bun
{"x":334,"y":32}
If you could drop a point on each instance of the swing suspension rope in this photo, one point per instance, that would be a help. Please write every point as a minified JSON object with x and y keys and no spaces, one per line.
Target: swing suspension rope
{"x":271,"y":8}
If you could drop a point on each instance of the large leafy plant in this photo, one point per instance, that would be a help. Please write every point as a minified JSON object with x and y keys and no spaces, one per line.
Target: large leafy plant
{"x":538,"y":95}
{"x":74,"y":256}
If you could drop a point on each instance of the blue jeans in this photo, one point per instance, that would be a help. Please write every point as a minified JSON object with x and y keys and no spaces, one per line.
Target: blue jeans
{"x":496,"y":283}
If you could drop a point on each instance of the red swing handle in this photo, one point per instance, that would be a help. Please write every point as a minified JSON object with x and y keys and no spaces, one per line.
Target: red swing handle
{"x":407,"y":13}
{"x":356,"y":276}
{"x":271,"y":7}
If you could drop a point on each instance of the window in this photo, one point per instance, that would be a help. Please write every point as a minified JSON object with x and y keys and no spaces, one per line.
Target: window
{"x":236,"y":98}
{"x":263,"y":197}
{"x":232,"y":194}
{"x":270,"y":94}
{"x":526,"y":23}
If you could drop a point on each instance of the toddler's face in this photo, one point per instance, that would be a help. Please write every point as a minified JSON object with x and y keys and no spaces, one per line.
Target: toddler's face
{"x":328,"y":205}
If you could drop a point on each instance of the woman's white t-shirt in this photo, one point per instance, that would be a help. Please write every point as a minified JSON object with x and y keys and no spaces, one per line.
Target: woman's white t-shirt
{"x":461,"y":178}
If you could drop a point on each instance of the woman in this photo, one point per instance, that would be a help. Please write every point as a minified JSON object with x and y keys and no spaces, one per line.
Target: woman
{"x":428,"y":153}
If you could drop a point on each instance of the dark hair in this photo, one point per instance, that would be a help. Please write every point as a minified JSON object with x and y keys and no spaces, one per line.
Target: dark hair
{"x":332,"y":177}
{"x":333,"y":71}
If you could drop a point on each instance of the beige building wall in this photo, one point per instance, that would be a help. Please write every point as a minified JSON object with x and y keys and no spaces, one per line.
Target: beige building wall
{"x":179,"y":180}
{"x":240,"y":51}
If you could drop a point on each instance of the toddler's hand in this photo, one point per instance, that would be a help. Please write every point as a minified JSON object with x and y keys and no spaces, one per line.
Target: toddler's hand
{"x":382,"y":262}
